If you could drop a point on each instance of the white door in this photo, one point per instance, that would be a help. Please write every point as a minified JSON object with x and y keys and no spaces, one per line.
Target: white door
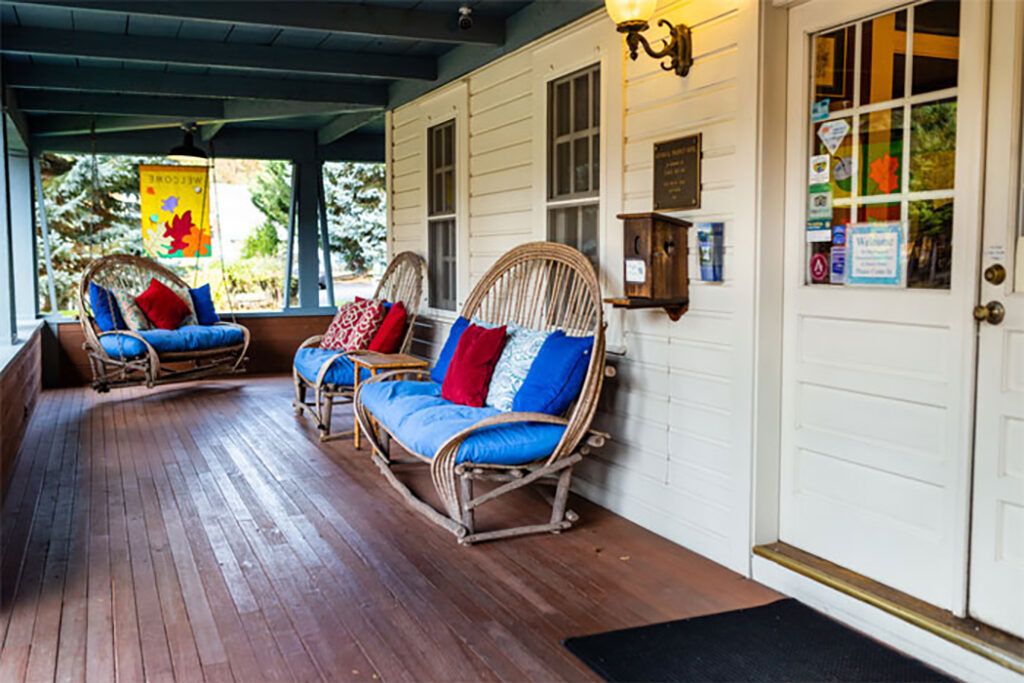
{"x":997,"y":535}
{"x":884,"y":138}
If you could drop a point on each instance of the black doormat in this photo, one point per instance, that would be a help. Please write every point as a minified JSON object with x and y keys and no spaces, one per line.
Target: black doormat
{"x":782,"y":641}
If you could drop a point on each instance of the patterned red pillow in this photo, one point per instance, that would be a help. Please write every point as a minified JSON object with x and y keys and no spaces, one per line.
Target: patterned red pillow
{"x":353,"y":326}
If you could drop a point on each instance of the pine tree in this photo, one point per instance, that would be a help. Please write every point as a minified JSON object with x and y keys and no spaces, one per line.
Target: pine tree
{"x":271,"y":193}
{"x":92,"y":209}
{"x":355,"y":195}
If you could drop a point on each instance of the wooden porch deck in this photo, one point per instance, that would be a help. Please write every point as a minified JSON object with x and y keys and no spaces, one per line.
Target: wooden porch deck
{"x":202,"y":532}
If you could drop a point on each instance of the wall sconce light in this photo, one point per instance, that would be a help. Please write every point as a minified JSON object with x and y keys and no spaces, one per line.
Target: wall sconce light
{"x":631,"y":17}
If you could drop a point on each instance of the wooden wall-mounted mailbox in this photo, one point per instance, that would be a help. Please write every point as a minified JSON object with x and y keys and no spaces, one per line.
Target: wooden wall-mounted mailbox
{"x":654,"y":263}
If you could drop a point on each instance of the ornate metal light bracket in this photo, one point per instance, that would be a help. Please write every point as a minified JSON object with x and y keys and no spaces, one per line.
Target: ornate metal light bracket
{"x":677,"y":47}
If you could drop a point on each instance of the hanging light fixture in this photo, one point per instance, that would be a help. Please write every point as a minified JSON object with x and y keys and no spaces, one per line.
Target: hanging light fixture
{"x":187,"y":151}
{"x":631,"y":17}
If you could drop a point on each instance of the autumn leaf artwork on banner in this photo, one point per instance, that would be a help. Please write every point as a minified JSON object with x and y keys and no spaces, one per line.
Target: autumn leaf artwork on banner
{"x":175,"y":211}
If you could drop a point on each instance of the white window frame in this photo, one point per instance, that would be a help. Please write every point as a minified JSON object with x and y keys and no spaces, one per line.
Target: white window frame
{"x":591,"y":41}
{"x":450,"y":102}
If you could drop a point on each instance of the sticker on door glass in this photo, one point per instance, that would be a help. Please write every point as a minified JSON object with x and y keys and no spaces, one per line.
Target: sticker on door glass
{"x":819,"y":267}
{"x":819,"y":169}
{"x":819,"y":205}
{"x":819,"y":231}
{"x":838,"y":270}
{"x":636,"y":270}
{"x":819,"y":110}
{"x":874,"y":254}
{"x":831,"y":134}
{"x":839,"y":234}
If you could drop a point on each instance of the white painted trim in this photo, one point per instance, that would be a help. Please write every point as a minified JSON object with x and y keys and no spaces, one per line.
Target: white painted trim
{"x":878,"y":624}
{"x":770,"y":233}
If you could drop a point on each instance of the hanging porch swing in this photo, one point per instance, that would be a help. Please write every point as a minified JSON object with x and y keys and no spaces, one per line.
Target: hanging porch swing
{"x":123,"y":353}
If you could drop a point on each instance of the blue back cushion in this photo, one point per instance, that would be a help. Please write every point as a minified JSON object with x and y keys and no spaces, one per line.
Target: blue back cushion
{"x":556,"y":375}
{"x":105,"y":310}
{"x":445,"y":357}
{"x":202,"y":301}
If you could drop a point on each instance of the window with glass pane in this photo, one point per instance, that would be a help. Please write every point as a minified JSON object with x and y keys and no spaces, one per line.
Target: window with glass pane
{"x":441,"y":227}
{"x":574,"y":124}
{"x":883,"y":139}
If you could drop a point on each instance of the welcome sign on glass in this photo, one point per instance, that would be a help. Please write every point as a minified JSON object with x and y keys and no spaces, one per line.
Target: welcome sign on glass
{"x":874,"y":254}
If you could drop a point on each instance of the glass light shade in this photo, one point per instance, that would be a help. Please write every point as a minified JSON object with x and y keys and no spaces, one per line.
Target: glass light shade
{"x":625,"y":11}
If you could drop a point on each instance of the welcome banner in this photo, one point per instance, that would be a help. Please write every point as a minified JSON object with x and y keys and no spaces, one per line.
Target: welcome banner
{"x":175,"y":211}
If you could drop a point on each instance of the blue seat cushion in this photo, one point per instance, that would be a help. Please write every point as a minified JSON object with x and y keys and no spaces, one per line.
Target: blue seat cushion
{"x":309,"y":361}
{"x":184,"y":339}
{"x":417,"y":416}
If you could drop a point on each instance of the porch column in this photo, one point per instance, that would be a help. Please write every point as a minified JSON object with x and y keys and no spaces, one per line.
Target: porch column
{"x":19,"y":180}
{"x":308,"y":232}
{"x":8,"y":320}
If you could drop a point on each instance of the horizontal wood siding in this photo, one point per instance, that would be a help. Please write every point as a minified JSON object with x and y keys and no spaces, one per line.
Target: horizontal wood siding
{"x":679,"y":409}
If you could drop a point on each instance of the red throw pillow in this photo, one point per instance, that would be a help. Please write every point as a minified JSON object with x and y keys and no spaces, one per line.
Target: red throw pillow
{"x":469,"y":374}
{"x":389,"y":337}
{"x":162,"y":306}
{"x":354,"y":326}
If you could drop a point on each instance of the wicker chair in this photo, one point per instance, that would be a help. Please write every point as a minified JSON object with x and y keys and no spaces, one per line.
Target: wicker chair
{"x":402,"y":281}
{"x":152,"y":367}
{"x":545,"y":286}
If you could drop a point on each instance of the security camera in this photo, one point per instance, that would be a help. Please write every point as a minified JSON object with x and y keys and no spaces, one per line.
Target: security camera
{"x":465,"y":17}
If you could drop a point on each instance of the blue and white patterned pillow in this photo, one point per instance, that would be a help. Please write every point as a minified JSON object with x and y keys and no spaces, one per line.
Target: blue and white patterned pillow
{"x":521,"y":347}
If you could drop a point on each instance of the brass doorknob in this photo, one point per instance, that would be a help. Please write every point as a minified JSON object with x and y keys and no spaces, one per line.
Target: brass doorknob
{"x":991,"y":313}
{"x":995,"y":274}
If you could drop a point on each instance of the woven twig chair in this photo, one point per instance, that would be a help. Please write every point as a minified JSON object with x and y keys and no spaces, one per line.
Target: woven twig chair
{"x":402,"y":281}
{"x":543,"y":286}
{"x":133,"y":274}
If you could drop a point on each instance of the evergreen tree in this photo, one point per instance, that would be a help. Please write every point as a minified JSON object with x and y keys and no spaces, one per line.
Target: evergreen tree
{"x":271,"y":193}
{"x":92,"y":209}
{"x":356,"y":195}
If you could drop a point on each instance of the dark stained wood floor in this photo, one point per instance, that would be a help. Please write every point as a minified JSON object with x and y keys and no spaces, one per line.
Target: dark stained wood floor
{"x":202,"y":532}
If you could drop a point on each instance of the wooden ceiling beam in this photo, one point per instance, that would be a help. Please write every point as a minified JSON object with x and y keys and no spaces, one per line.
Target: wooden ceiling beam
{"x":97,"y":45}
{"x":338,"y":17}
{"x":146,"y":82}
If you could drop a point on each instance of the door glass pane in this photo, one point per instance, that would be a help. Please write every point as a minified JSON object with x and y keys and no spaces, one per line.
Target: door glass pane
{"x":936,"y":45}
{"x":879,"y":213}
{"x":594,"y":165}
{"x":833,"y":68}
{"x":930,"y":243}
{"x":881,"y":151}
{"x":883,"y":58}
{"x":834,"y":139}
{"x":858,"y":168}
{"x":932,"y":145}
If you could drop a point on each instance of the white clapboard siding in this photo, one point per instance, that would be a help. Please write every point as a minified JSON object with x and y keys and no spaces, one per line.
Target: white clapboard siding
{"x":678,"y":408}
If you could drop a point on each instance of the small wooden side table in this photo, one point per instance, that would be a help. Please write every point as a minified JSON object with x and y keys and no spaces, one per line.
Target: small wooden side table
{"x":374,"y":361}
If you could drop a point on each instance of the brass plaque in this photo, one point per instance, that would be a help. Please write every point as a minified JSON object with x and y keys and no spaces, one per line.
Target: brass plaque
{"x":677,"y":174}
